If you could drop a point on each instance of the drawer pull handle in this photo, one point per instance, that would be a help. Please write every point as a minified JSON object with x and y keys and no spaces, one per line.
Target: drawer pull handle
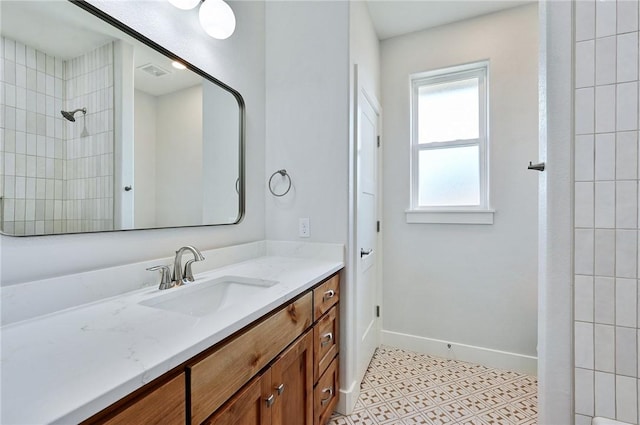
{"x":270,"y":400}
{"x":280,"y":389}
{"x":329,"y":294}
{"x":326,"y":339}
{"x":324,"y":401}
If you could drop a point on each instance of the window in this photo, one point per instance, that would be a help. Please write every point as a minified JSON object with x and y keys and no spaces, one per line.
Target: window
{"x":449,"y":146}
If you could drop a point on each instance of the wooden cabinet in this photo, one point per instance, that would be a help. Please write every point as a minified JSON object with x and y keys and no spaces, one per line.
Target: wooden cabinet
{"x":326,"y":330}
{"x":219,"y":375}
{"x":325,"y":296}
{"x":281,"y":395}
{"x":163,"y":404}
{"x":292,"y":384}
{"x":325,"y":394}
{"x":248,"y":407}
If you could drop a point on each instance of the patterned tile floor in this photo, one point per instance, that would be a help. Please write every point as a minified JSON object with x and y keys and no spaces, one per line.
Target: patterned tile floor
{"x":402,"y":387}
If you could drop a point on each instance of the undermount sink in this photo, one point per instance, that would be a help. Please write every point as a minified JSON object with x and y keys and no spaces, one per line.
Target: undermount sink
{"x":204,"y":297}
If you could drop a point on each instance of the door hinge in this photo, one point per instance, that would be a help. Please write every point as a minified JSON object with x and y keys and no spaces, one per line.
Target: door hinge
{"x":378,"y":141}
{"x":377,"y":311}
{"x":378,"y":226}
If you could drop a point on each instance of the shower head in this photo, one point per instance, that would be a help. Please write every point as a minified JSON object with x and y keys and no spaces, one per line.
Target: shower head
{"x":70,"y":115}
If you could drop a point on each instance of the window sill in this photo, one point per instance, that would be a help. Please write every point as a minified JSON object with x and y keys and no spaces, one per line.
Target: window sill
{"x":450,"y":216}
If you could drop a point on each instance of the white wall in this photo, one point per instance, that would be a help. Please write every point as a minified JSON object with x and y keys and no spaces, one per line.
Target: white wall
{"x":145,"y":156}
{"x":179,"y":157}
{"x":307,"y":83}
{"x":238,"y":61}
{"x":467,"y":284}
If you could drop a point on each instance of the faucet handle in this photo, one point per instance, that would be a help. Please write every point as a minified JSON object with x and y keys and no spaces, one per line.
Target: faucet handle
{"x":188,"y":273}
{"x":165,"y":280}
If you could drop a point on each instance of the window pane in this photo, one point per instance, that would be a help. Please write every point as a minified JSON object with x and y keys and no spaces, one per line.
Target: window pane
{"x":448,"y":111}
{"x":449,"y":177}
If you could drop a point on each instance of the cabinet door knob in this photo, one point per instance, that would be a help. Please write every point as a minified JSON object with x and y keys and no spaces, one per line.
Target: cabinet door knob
{"x":270,"y":400}
{"x":329,"y":294}
{"x":326,"y":339}
{"x":280,"y":389}
{"x":324,"y":401}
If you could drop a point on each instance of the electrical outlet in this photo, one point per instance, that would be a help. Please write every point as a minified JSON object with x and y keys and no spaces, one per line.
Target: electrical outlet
{"x":303,"y":228}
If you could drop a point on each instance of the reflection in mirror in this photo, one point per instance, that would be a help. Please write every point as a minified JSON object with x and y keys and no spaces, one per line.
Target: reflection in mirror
{"x":101,"y":132}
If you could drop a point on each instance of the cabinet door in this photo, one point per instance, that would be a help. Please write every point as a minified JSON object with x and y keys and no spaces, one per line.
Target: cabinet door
{"x":250,"y":406}
{"x":292,"y":384}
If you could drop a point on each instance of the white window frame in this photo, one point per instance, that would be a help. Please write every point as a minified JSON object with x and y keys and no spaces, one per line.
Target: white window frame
{"x":461,"y":214}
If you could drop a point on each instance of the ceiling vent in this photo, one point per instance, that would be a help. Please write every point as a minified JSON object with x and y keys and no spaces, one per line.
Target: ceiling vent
{"x":154,"y":70}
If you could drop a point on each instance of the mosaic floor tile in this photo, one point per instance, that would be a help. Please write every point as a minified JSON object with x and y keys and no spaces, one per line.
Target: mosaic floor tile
{"x":406,"y":388}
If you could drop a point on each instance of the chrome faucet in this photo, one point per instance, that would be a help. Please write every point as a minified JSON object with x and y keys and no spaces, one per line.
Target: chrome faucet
{"x":179,"y":276}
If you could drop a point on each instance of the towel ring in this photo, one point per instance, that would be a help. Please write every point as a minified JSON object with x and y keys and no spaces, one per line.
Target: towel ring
{"x":283,"y":173}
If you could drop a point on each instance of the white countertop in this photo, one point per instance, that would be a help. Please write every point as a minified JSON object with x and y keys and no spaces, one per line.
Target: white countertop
{"x":66,"y":366}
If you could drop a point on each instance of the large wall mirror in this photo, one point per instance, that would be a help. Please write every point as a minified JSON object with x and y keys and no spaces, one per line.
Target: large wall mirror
{"x":102,"y":130}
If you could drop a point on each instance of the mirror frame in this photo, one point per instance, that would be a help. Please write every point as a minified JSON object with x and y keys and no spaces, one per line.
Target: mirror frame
{"x":83,"y":4}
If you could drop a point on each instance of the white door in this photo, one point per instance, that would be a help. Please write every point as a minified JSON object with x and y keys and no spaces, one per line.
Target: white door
{"x":368,"y":332}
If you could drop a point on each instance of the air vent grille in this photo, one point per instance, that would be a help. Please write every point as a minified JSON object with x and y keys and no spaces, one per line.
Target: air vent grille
{"x":154,"y":70}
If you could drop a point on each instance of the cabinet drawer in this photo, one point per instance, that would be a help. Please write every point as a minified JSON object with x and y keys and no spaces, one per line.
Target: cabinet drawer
{"x":214,"y":379}
{"x":325,"y":341}
{"x":164,"y":405}
{"x":326,"y":296}
{"x":325,"y":395}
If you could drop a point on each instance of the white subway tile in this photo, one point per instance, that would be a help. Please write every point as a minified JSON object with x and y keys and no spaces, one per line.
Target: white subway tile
{"x":605,"y":166}
{"x":605,"y":204}
{"x":627,"y":57}
{"x":605,"y":394}
{"x":584,"y":387}
{"x":585,"y":157}
{"x":584,"y":206}
{"x":627,"y":16}
{"x":584,"y":110}
{"x":585,"y":64}
{"x":626,"y":302}
{"x":585,"y":20}
{"x":627,"y":106}
{"x":9,"y":49}
{"x":626,"y":356}
{"x":584,"y":344}
{"x":605,"y":103}
{"x":626,"y":253}
{"x":605,"y":348}
{"x":627,"y":204}
{"x":604,"y":300}
{"x":605,"y":17}
{"x":626,"y":399}
{"x":605,"y":60}
{"x":626,"y":155}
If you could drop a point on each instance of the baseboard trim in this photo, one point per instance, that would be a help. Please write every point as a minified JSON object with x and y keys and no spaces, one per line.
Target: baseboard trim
{"x":348,"y":398}
{"x":467,"y":353}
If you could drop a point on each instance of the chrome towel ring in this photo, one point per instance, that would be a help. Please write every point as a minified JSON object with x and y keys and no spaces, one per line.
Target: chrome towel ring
{"x":283,"y":173}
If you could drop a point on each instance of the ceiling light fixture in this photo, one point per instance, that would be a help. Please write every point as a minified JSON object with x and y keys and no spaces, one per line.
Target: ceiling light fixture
{"x":178,"y":65}
{"x":216,"y":16}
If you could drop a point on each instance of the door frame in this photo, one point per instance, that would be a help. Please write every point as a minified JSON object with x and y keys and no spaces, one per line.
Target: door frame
{"x":555,"y":212}
{"x":349,"y":381}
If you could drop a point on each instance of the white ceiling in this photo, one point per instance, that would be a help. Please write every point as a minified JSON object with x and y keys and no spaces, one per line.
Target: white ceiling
{"x":396,"y":17}
{"x":65,"y":31}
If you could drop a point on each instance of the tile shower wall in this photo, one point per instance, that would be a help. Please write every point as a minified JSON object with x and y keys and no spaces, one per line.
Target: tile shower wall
{"x":606,"y":210}
{"x":33,"y":140}
{"x":54,"y":178}
{"x":89,"y":166}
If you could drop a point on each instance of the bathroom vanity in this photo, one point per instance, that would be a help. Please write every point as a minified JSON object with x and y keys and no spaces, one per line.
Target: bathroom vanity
{"x":281,"y":369}
{"x":269,"y":356}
